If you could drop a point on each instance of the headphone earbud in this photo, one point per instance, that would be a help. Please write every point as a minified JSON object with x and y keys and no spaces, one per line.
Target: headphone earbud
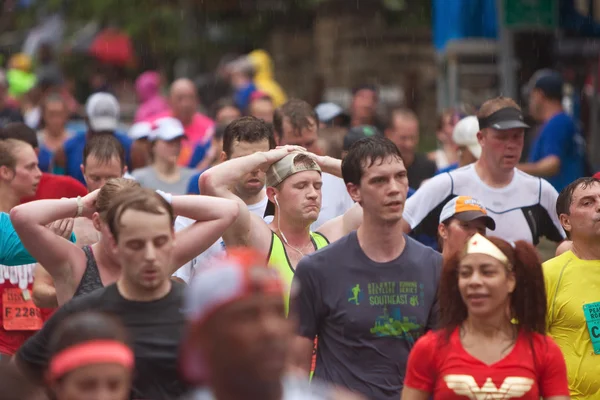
{"x":275,"y":198}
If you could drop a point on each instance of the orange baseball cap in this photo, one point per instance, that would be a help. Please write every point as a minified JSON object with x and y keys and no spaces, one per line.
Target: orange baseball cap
{"x":466,"y":208}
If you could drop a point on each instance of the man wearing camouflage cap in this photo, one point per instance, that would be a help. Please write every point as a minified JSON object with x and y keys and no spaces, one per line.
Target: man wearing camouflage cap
{"x":293,"y":184}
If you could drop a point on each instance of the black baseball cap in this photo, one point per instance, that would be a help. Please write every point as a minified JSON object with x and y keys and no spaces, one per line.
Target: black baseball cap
{"x":359,"y":132}
{"x":551,"y":85}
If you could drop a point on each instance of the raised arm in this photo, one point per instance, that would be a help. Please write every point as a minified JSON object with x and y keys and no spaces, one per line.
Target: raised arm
{"x":44,"y":292}
{"x":248,"y":229}
{"x":212,"y":215}
{"x":56,"y":253}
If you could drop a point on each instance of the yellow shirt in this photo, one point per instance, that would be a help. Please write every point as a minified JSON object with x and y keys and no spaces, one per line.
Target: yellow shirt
{"x":572,"y":283}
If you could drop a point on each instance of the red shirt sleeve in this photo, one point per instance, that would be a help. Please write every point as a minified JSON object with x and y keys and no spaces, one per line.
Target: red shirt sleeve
{"x":56,"y":187}
{"x":421,"y":367}
{"x":553,"y":373}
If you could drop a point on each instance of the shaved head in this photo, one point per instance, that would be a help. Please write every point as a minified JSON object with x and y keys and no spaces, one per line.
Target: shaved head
{"x":184,"y":99}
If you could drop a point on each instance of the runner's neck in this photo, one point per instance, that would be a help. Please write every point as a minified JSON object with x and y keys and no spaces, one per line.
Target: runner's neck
{"x":132,"y":292}
{"x":295,"y":234}
{"x":8,"y":200}
{"x":165,"y":168}
{"x":104,"y":260}
{"x":586,"y":251}
{"x":494,"y":179}
{"x":495,"y":326}
{"x":252,"y":199}
{"x":381,"y":242}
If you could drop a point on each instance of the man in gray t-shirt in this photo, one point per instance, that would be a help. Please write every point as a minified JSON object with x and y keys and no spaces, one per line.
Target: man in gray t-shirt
{"x":369,"y":296}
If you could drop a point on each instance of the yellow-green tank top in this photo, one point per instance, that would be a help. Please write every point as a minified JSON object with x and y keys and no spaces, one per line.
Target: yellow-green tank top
{"x":279,"y":260}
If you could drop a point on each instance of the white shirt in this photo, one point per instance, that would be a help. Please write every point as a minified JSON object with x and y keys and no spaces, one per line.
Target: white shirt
{"x":187,"y":271}
{"x":525,"y":209}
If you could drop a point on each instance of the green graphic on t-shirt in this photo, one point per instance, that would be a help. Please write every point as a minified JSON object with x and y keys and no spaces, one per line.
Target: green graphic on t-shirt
{"x":392,"y":295}
{"x":355,"y":293}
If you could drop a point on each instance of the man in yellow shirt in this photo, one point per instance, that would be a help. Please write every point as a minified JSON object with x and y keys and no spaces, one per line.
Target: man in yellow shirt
{"x":573,"y":287}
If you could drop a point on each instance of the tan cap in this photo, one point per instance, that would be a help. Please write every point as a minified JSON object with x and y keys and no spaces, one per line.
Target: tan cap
{"x":284,"y":168}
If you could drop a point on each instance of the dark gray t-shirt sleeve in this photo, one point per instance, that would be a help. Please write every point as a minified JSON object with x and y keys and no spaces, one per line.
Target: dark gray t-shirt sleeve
{"x":303,"y":303}
{"x":33,"y":354}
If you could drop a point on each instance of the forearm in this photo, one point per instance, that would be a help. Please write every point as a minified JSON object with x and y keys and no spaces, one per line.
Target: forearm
{"x":221,"y":177}
{"x":203,"y":208}
{"x":43,"y":212}
{"x":331,"y":166}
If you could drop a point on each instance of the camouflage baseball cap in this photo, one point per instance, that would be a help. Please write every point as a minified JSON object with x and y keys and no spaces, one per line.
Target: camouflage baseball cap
{"x":286,"y":167}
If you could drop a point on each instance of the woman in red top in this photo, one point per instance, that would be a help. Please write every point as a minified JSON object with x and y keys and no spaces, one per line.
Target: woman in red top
{"x":480,"y":350}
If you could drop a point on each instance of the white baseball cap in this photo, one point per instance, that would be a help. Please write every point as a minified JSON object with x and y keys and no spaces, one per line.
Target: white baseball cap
{"x":465,"y":134}
{"x":466,"y":208}
{"x":103,"y":111}
{"x":328,"y":111}
{"x":167,"y":129}
{"x":140,"y":130}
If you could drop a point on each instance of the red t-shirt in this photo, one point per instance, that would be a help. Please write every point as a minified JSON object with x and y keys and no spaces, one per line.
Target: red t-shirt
{"x":447,"y":371}
{"x":56,"y":187}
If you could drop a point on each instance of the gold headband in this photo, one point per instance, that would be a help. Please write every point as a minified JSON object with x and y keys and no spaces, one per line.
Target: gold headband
{"x":478,"y":244}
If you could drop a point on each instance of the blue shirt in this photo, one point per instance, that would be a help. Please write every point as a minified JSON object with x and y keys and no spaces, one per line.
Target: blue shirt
{"x":73,"y":149}
{"x":561,"y":138}
{"x":199,"y":154}
{"x":193,"y":187}
{"x":45,"y":156}
{"x":449,"y":168}
{"x":12,"y":251}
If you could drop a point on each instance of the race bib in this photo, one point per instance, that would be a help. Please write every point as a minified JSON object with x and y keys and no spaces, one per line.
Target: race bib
{"x":19,"y":311}
{"x":592,"y":318}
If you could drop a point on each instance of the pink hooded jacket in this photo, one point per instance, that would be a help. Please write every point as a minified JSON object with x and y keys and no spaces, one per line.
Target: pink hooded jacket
{"x":147,"y":87}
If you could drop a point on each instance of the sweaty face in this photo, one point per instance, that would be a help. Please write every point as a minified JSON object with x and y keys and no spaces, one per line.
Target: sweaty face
{"x":456,"y":233}
{"x":98,"y":382}
{"x":405,"y":135}
{"x":583,"y":220}
{"x":262,"y":109}
{"x":299,"y":196}
{"x":502,"y":149}
{"x":485,"y":285}
{"x":383,"y":188}
{"x":249,"y":339}
{"x":253,"y":182}
{"x":167,"y":151}
{"x":97,"y":172}
{"x":306,"y":138}
{"x":145,"y":248}
{"x":364,"y":104}
{"x":27,"y":174}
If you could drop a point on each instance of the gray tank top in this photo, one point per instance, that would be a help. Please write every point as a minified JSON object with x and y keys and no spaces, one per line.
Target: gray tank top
{"x":90,"y":280}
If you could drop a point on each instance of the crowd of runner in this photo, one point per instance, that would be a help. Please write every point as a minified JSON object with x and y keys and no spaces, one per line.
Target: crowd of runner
{"x":278,"y":251}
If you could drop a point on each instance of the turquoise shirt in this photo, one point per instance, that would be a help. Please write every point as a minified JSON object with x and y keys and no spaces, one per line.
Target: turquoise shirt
{"x":12,"y":251}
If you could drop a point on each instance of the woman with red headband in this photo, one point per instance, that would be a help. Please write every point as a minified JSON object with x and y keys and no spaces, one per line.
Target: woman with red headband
{"x":492,"y":339}
{"x":90,"y":359}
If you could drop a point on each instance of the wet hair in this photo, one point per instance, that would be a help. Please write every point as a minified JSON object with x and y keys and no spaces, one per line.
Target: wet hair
{"x":104,"y":147}
{"x":8,"y":149}
{"x":363,"y":154}
{"x":299,"y":114}
{"x":19,"y":131}
{"x":565,"y":197}
{"x":365,"y":86}
{"x":14,"y":385}
{"x":138,"y":199}
{"x":110,"y":189}
{"x":247,"y":129}
{"x":495,"y":104}
{"x":527,"y":301}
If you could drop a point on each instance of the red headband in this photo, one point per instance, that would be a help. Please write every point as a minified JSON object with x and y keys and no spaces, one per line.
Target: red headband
{"x":93,"y":352}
